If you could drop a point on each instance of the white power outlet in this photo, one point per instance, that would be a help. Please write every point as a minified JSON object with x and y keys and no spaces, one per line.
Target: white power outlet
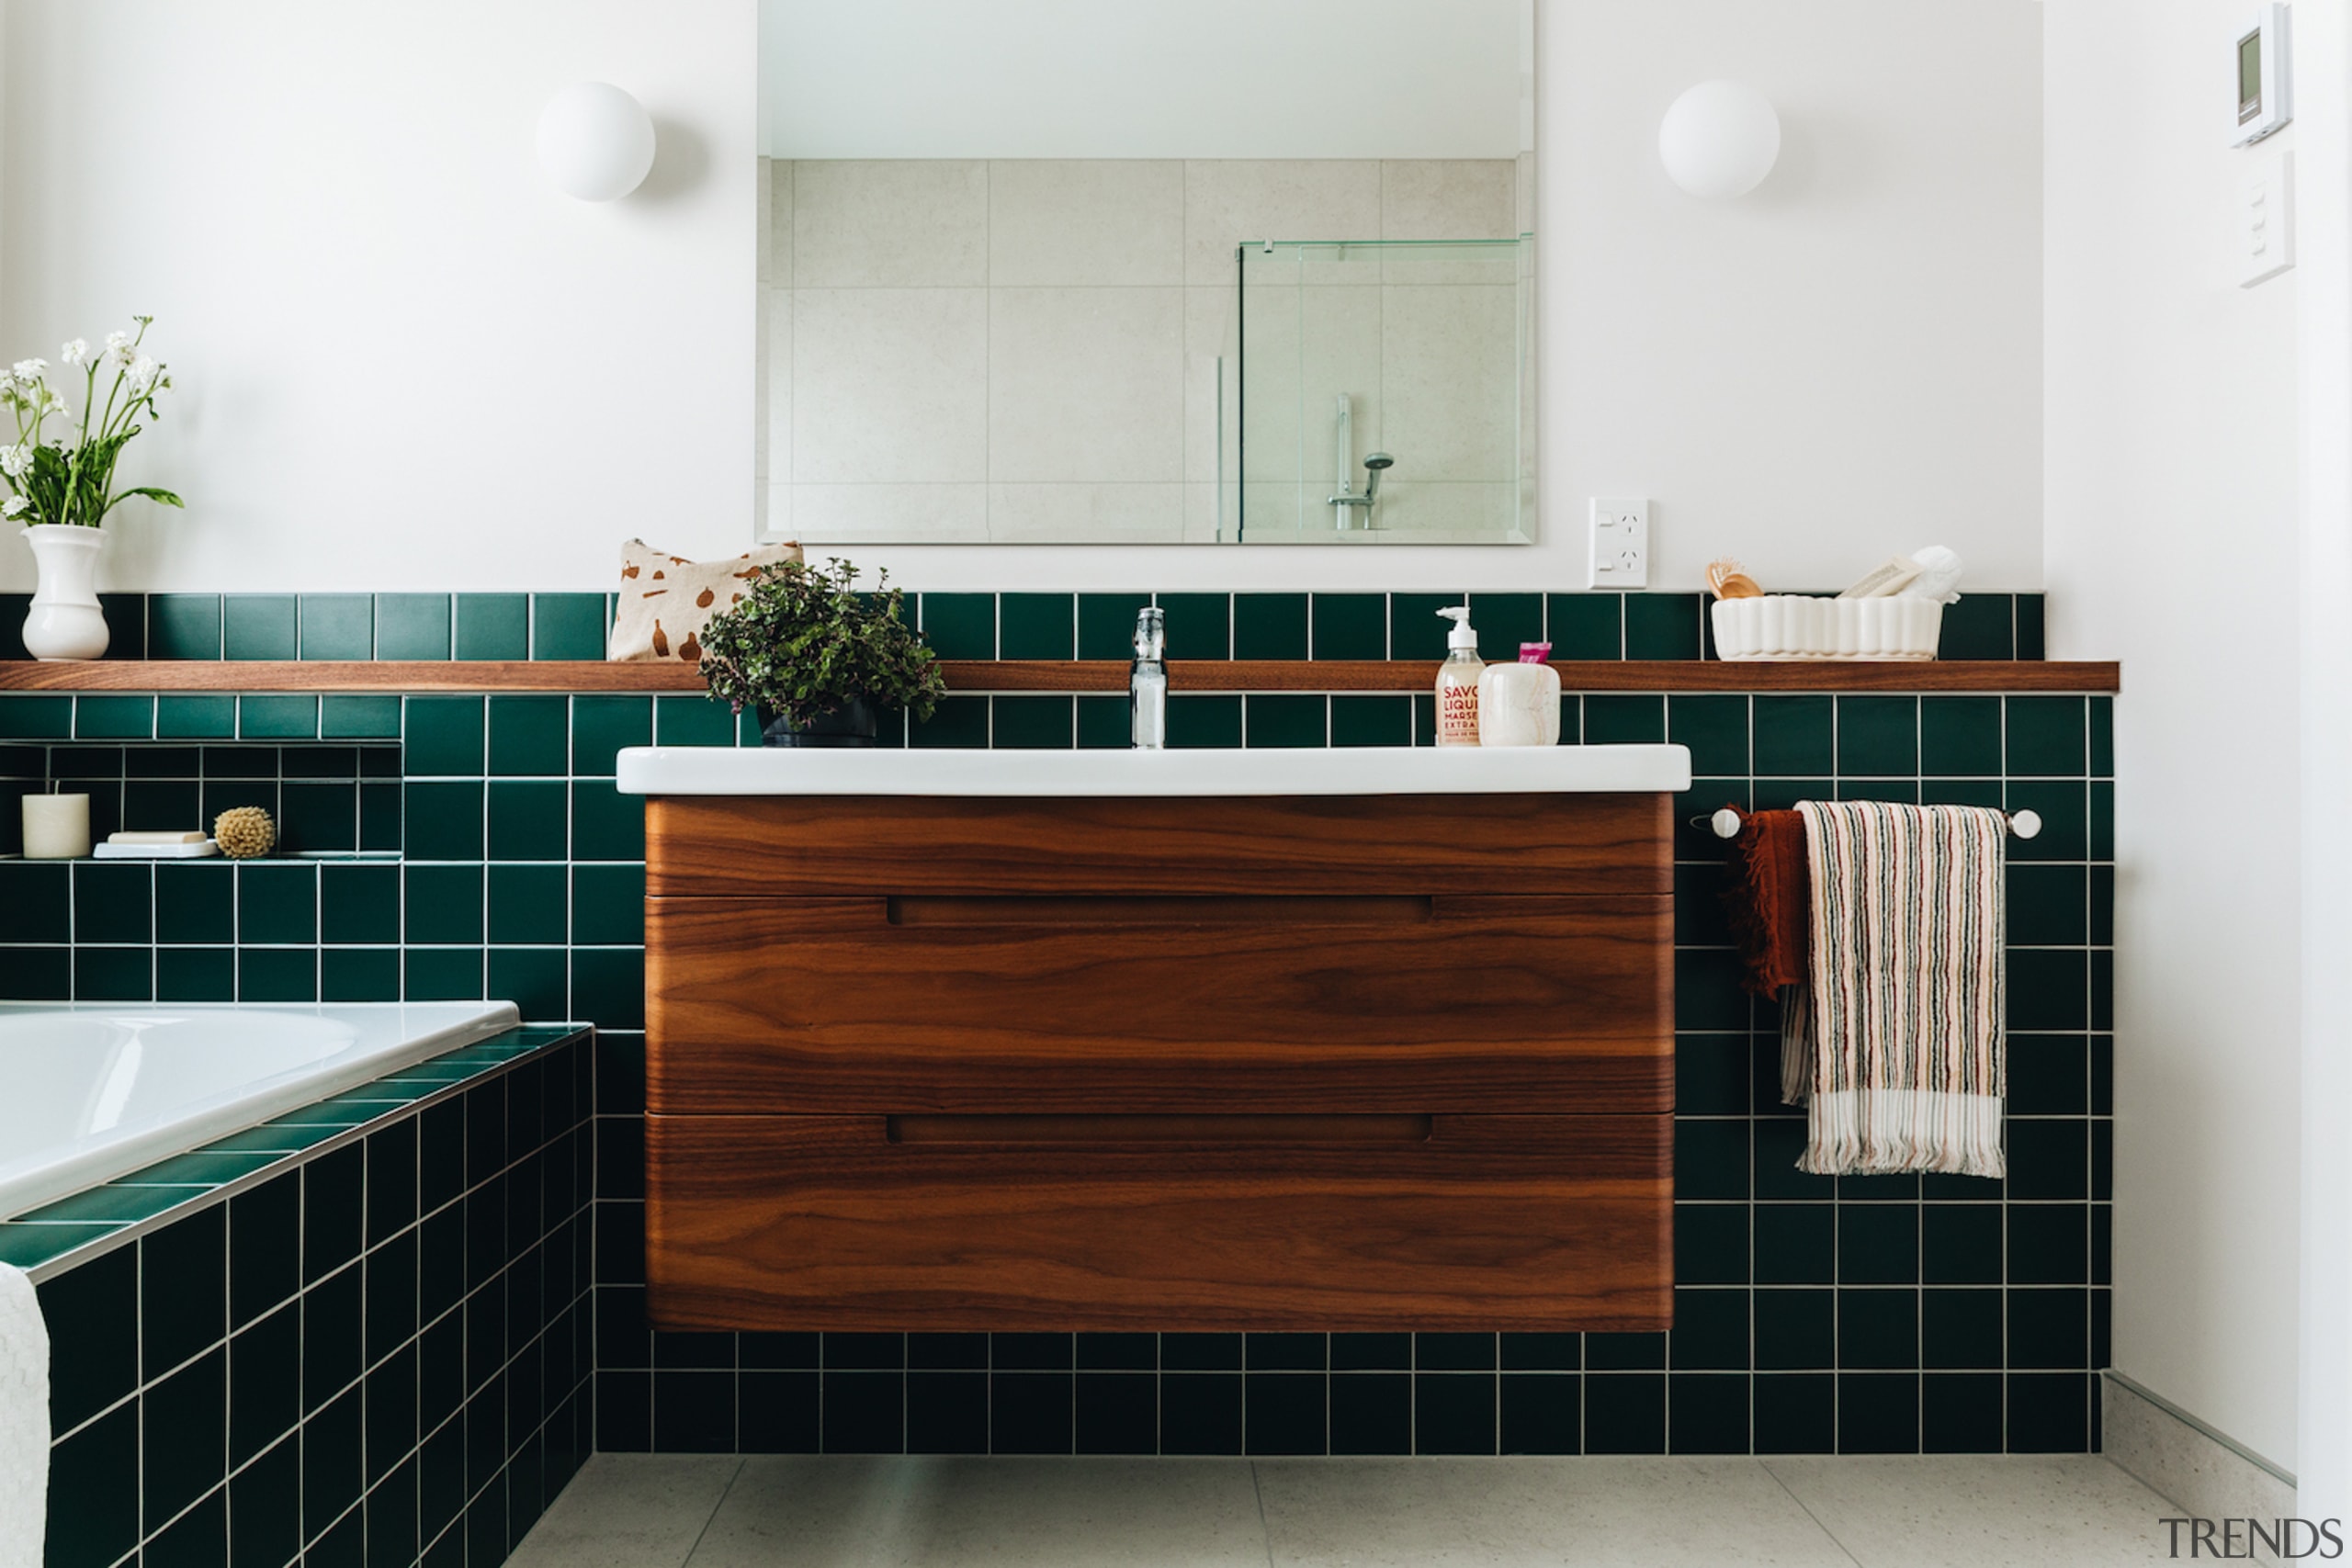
{"x":1621,"y":544}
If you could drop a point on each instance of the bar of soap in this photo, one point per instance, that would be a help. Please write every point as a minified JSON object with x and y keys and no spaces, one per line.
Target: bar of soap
{"x":193,"y":836}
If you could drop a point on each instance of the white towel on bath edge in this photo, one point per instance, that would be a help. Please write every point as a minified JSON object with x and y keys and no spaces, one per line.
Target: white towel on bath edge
{"x":24,"y":1421}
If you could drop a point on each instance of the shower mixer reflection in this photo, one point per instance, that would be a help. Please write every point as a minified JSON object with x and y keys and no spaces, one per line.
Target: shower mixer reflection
{"x":1346,"y":502}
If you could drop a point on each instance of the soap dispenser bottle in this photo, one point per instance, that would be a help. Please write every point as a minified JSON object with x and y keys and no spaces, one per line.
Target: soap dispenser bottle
{"x":1457,"y":682}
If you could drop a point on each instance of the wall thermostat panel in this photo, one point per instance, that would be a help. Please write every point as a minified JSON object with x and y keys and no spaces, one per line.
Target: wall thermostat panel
{"x":2264,"y":101}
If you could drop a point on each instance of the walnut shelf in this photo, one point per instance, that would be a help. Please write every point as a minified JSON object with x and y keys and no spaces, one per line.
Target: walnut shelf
{"x":1057,"y":676}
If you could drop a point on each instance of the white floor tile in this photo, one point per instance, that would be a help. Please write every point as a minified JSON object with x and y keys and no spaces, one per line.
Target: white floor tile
{"x":1042,"y":1513}
{"x":629,"y":1511}
{"x":1967,"y":1511}
{"x":1510,"y":1512}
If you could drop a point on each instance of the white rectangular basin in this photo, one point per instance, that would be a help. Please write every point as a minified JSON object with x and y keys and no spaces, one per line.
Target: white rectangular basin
{"x":1369,"y":770}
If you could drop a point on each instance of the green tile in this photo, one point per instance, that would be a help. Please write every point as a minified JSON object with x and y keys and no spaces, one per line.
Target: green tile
{"x":1714,"y":728}
{"x":1200,"y":626}
{"x":1585,"y":626}
{"x":359,"y":718}
{"x":278,"y":718}
{"x":959,"y":723}
{"x":29,"y":1246}
{"x":609,"y":905}
{"x":2102,"y":738}
{"x":678,"y":721}
{"x":1978,"y":626}
{"x":40,"y":974}
{"x":260,"y":626}
{"x":1618,"y":721}
{"x":601,"y":725}
{"x":1960,"y":737}
{"x":205,"y":1168}
{"x":161,"y":805}
{"x":1204,"y":721}
{"x":359,"y":974}
{"x":533,"y":979}
{"x":412,"y":625}
{"x":113,"y":901}
{"x":380,"y":817}
{"x":126,"y":619}
{"x":338,"y":625}
{"x":278,"y":1136}
{"x":195,"y":718}
{"x":1505,"y":621}
{"x":567,"y":626}
{"x":14,"y":608}
{"x":1416,"y":630}
{"x":41,"y":718}
{"x":960,"y":625}
{"x":606,"y":824}
{"x":113,"y":1204}
{"x":195,"y":902}
{"x":278,"y":903}
{"x":527,"y":820}
{"x":113,"y":974}
{"x":527,"y":735}
{"x":114,"y":719}
{"x":184,"y":625}
{"x":1033,"y":724}
{"x":1796,"y":736}
{"x":1878,"y":737}
{"x":359,"y":903}
{"x":317,"y":818}
{"x":2048,"y":906}
{"x":2064,"y":809}
{"x":1102,"y":724}
{"x":1288,"y":719}
{"x":1350,"y":625}
{"x":608,"y":986}
{"x":1662,"y":626}
{"x":444,"y":736}
{"x":444,"y":903}
{"x":2046,"y":737}
{"x":526,"y":903}
{"x":2101,"y":825}
{"x":443,"y":975}
{"x":1270,"y":625}
{"x":494,"y":626}
{"x":1372,"y":720}
{"x":1035,"y":625}
{"x":444,"y":821}
{"x":1106,"y":625}
{"x":196,"y":975}
{"x":2029,"y":620}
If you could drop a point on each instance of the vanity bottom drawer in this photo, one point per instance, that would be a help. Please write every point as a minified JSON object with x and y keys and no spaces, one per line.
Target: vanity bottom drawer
{"x":1082,"y":1221}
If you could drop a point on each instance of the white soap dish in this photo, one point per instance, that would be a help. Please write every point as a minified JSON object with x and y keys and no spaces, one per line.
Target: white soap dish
{"x":1793,"y":626}
{"x":196,"y":850}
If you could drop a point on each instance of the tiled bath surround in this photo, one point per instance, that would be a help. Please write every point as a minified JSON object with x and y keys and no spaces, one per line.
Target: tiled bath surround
{"x":1888,"y":1314}
{"x":360,"y":1333}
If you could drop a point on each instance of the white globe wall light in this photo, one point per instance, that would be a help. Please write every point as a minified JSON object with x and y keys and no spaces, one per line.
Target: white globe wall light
{"x":596,"y":142}
{"x":1719,"y":140}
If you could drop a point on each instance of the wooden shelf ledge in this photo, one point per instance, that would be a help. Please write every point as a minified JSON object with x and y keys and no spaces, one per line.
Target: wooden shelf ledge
{"x":1056,"y":675}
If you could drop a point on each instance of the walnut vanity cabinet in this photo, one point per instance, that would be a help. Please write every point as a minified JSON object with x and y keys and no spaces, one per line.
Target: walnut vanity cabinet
{"x":1276,"y":1061}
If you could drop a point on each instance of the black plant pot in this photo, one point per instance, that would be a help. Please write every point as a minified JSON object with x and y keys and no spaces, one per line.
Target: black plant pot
{"x":852,"y":724}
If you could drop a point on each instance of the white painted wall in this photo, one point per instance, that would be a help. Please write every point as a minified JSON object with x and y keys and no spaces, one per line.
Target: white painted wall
{"x":404,"y":363}
{"x":2172,"y":544}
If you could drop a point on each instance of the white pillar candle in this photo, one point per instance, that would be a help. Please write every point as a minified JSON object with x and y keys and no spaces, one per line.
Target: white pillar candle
{"x":57,"y":826}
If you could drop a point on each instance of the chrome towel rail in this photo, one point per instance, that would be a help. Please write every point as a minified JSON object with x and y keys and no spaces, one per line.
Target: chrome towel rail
{"x":1724,"y":823}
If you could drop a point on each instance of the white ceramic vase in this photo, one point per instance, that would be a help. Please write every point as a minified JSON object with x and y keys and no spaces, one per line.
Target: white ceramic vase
{"x":65,"y":622}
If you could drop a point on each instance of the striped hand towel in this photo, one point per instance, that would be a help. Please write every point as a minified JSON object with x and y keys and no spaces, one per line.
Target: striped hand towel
{"x":1894,"y":1046}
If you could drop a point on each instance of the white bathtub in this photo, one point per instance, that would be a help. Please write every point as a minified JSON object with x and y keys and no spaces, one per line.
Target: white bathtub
{"x":91,"y":1091}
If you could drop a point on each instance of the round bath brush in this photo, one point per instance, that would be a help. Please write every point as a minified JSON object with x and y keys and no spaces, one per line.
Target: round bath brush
{"x":245,"y":832}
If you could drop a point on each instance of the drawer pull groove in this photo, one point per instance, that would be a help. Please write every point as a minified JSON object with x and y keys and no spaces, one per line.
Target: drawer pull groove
{"x":1147,"y":1129}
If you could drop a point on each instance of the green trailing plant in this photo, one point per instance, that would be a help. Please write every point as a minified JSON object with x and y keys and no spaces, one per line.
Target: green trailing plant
{"x":805,"y":643}
{"x":68,"y":477}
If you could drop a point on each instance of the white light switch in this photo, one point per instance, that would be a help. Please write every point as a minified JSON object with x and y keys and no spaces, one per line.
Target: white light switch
{"x":2265,"y":220}
{"x":1621,"y":544}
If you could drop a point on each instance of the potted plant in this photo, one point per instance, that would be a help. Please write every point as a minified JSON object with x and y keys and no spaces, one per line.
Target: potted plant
{"x":817,"y":659}
{"x":61,"y":487}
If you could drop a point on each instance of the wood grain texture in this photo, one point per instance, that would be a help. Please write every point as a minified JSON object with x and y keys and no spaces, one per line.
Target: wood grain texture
{"x":1505,"y":1221}
{"x":1053,"y":675}
{"x":1562,"y":1005}
{"x":768,"y":845}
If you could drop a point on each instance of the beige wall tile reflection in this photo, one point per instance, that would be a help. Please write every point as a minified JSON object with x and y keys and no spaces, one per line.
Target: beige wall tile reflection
{"x":1449,"y":381}
{"x":890,"y":385}
{"x":1086,"y":384}
{"x":1109,"y":513}
{"x":1091,"y":220}
{"x":903,"y":223}
{"x":943,"y":513}
{"x":1228,"y":200}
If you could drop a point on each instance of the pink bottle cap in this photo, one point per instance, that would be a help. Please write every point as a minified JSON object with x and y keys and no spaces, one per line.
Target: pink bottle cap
{"x":1534,"y":652}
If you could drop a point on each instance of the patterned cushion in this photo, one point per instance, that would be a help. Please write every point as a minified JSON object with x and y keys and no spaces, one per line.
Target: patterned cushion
{"x":667,"y":600}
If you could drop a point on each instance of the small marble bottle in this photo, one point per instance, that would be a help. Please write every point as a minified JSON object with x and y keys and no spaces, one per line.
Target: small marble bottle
{"x":1519,"y":704}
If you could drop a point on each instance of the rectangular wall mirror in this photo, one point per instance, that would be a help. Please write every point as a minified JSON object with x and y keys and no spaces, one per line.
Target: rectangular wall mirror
{"x":1158,"y":272}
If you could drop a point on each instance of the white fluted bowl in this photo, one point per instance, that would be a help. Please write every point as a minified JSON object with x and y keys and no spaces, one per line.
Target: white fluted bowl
{"x":1793,"y":625}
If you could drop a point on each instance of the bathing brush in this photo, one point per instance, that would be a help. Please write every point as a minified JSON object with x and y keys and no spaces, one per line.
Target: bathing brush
{"x":243,"y":832}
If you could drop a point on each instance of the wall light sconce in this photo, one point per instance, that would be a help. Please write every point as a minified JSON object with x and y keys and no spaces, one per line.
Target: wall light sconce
{"x":1719,"y":140}
{"x":596,"y":142}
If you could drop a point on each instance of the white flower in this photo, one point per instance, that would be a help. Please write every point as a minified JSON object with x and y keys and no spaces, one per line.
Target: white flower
{"x":14,"y":461}
{"x":28,"y":369}
{"x":75,"y":353}
{"x":15,"y":506}
{"x":143,"y":374}
{"x":118,"y":350}
{"x":54,"y":405}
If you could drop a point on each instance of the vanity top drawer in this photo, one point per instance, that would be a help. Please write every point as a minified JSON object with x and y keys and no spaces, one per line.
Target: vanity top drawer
{"x":820,"y":845}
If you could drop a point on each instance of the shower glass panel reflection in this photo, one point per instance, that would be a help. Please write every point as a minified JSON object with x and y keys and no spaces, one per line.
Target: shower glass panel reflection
{"x":1379,"y":391}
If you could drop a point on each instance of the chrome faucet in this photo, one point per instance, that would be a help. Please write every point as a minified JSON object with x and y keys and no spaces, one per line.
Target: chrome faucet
{"x":1148,"y":682}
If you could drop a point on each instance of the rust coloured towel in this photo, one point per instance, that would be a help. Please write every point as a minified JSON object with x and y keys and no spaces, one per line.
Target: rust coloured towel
{"x":1768,"y":895}
{"x":1895,"y":1044}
